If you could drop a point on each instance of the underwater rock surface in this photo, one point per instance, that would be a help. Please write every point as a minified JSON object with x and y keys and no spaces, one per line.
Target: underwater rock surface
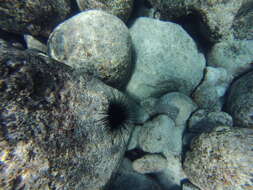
{"x":95,"y":42}
{"x":37,"y":17}
{"x":166,"y":59}
{"x":119,"y":8}
{"x":52,"y":129}
{"x":221,"y":159}
{"x":240,"y":101}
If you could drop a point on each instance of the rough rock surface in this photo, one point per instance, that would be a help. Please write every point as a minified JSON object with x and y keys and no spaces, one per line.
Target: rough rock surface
{"x":233,"y":55}
{"x":96,"y":42}
{"x":240,"y":101}
{"x":150,"y":163}
{"x":166,"y":59}
{"x":219,"y":18}
{"x":119,"y":8}
{"x":189,"y":186}
{"x":205,"y":121}
{"x":37,"y":17}
{"x":210,"y":93}
{"x":133,"y":181}
{"x":221,"y":159}
{"x":160,"y":135}
{"x":50,"y":131}
{"x":33,"y":43}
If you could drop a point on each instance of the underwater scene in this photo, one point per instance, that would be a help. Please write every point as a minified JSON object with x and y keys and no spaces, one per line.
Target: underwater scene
{"x":126,"y":94}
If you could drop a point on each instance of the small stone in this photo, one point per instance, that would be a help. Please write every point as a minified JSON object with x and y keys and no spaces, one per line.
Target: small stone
{"x":189,"y":186}
{"x":33,"y":43}
{"x":204,"y":121}
{"x":210,"y":93}
{"x":150,"y":163}
{"x":159,"y":135}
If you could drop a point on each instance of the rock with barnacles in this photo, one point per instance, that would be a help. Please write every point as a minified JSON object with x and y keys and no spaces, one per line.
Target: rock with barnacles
{"x":166,"y":59}
{"x":240,"y":101}
{"x":37,"y":18}
{"x":57,"y":128}
{"x":95,"y":42}
{"x":221,"y":159}
{"x":119,"y":8}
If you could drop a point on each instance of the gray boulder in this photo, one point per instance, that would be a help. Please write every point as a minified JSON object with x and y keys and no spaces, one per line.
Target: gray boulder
{"x":33,"y":43}
{"x":205,"y":121}
{"x":221,"y":159}
{"x":37,"y":18}
{"x":95,"y":42}
{"x":233,"y":55}
{"x":219,"y":19}
{"x":240,"y":101}
{"x":166,"y":59}
{"x":54,"y":131}
{"x":119,"y":8}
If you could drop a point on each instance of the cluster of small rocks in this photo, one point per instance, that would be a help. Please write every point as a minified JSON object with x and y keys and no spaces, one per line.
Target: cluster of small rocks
{"x":125,"y":94}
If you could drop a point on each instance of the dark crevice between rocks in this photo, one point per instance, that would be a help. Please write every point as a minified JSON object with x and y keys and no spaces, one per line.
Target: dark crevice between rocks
{"x":14,"y":40}
{"x":135,"y":154}
{"x":193,"y":24}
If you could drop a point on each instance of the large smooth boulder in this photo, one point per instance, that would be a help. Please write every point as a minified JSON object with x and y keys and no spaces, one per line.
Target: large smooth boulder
{"x":166,"y":59}
{"x":57,"y":128}
{"x":95,"y":42}
{"x":221,"y":159}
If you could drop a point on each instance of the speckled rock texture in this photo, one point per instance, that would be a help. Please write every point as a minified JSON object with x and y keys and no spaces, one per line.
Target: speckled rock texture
{"x":189,"y":186}
{"x":221,"y":159}
{"x":233,"y":55}
{"x":119,"y":8}
{"x":37,"y":17}
{"x":33,"y":43}
{"x":52,"y":135}
{"x":210,"y":93}
{"x":96,"y":42}
{"x":243,"y":21}
{"x":220,"y":19}
{"x":166,"y":59}
{"x":150,"y":163}
{"x":240,"y":101}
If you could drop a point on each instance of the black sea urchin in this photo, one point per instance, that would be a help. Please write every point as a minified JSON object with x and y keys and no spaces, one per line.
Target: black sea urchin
{"x":119,"y":114}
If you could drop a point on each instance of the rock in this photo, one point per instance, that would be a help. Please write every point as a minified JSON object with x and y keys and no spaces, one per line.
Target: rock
{"x":243,"y":22}
{"x":133,"y":181}
{"x":210,"y":93}
{"x":173,"y":174}
{"x":160,"y":135}
{"x":219,"y":19}
{"x":204,"y":121}
{"x":166,"y":59}
{"x":189,"y":186}
{"x":37,"y":18}
{"x":148,"y":105}
{"x":150,"y":163}
{"x":221,"y":159}
{"x":54,"y":131}
{"x":133,"y":142}
{"x":94,"y":42}
{"x":240,"y":101}
{"x":119,"y":8}
{"x":234,"y":55}
{"x":33,"y":43}
{"x":176,"y":101}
